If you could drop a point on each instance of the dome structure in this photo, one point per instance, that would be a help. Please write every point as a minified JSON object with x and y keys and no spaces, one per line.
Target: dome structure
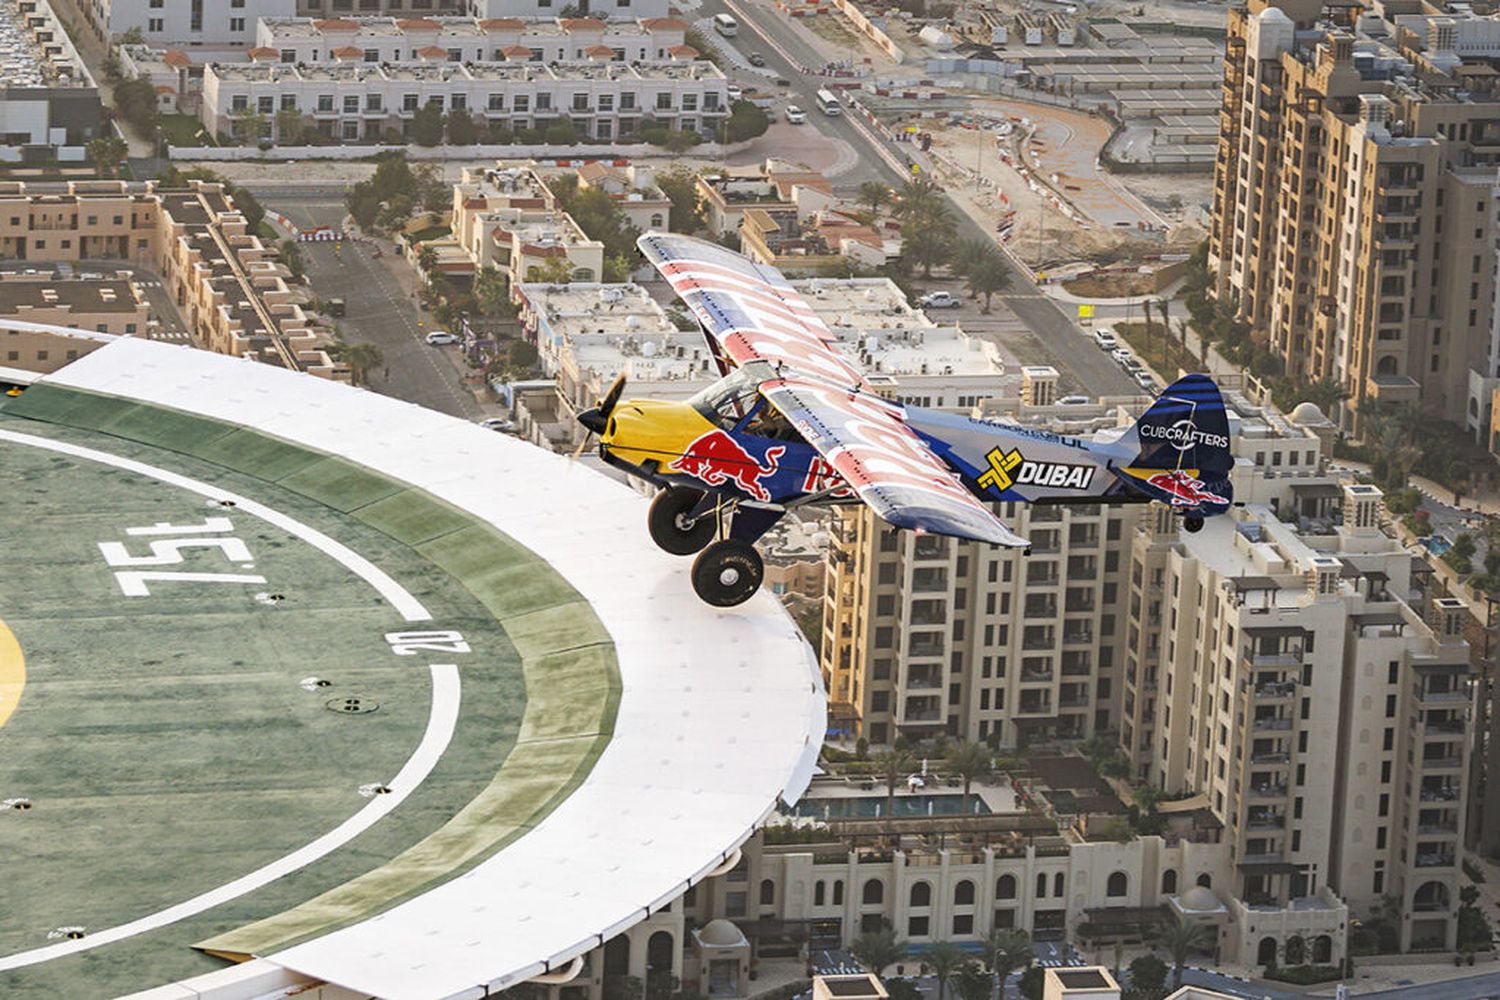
{"x":1199,"y":898}
{"x":724,"y":934}
{"x":1307,"y":413}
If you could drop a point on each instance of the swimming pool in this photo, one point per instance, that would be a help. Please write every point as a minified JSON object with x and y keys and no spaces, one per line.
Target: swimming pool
{"x":872,"y":806}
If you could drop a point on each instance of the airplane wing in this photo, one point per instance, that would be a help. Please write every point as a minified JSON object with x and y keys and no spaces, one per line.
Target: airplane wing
{"x":869,"y":444}
{"x":750,"y":310}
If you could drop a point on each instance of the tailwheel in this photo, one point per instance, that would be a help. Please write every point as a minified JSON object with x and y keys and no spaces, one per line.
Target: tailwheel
{"x":727,"y":573}
{"x":672,"y":526}
{"x":1192,"y":524}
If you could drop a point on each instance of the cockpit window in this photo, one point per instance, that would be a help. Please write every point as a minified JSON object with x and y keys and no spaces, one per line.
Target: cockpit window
{"x":728,"y":399}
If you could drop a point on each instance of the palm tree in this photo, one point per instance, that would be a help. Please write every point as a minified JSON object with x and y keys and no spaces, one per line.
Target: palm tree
{"x":919,"y":196}
{"x":945,"y":958}
{"x":974,"y":983}
{"x":1008,"y":950}
{"x":427,"y":260}
{"x":878,"y":950}
{"x":989,"y":276}
{"x":875,"y":194}
{"x":1325,"y":394}
{"x":969,"y":254}
{"x":1180,"y":940}
{"x":1146,"y":312}
{"x":1163,"y":310}
{"x":1182,"y":332}
{"x":970,"y":761}
{"x":924,"y":245}
{"x":362,"y":359}
{"x":892,"y":765}
{"x":108,"y":153}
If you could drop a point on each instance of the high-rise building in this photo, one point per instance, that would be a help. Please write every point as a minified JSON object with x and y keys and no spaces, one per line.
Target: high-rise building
{"x":1285,"y":673}
{"x":1354,"y":197}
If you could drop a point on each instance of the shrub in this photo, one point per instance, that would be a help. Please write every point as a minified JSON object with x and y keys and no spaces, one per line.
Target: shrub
{"x":1305,"y":975}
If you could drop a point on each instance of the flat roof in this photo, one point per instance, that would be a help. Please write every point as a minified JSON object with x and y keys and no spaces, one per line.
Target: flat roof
{"x":1082,"y":979}
{"x":712,"y":726}
{"x":80,"y":295}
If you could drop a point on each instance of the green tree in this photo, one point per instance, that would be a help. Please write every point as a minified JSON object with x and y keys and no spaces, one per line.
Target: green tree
{"x":973,"y":983}
{"x":1007,"y":950}
{"x":135,"y":101}
{"x":427,"y":260}
{"x":108,"y":152}
{"x":362,"y":359}
{"x":900,"y":988}
{"x":681,"y":140}
{"x":289,"y":126}
{"x":427,"y":125}
{"x":990,"y":275}
{"x":133,"y":36}
{"x":925,"y":246}
{"x":1033,"y":979}
{"x":746,"y":121}
{"x":971,"y":761}
{"x":561,"y":133}
{"x":291,"y":255}
{"x":1148,"y":976}
{"x":878,"y":950}
{"x":1181,"y":940}
{"x":875,"y":194}
{"x":556,"y":271}
{"x":249,"y":206}
{"x":969,"y":254}
{"x":363,"y":204}
{"x":892,"y":766}
{"x":250,"y":125}
{"x":920,"y":199}
{"x":680,"y":185}
{"x":944,"y":958}
{"x":492,"y":291}
{"x":1325,"y":394}
{"x":461,"y":128}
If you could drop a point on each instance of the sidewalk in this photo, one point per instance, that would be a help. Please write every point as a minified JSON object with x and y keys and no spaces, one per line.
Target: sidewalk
{"x":93,"y":52}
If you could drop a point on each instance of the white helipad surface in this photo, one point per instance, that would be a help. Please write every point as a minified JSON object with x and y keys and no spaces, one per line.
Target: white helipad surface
{"x":721,"y":713}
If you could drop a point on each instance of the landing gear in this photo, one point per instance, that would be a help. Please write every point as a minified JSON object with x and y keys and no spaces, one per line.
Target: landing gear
{"x":671,"y":523}
{"x":1192,"y":524}
{"x":727,"y":573}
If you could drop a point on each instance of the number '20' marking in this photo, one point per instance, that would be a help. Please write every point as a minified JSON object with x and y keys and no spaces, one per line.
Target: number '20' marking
{"x":411,"y":643}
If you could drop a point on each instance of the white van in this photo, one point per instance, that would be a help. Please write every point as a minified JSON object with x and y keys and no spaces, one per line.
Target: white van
{"x":828,"y":103}
{"x":1104,"y":338}
{"x":726,"y":25}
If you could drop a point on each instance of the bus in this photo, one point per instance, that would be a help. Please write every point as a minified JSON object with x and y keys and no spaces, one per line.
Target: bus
{"x":828,"y":103}
{"x":726,"y":25}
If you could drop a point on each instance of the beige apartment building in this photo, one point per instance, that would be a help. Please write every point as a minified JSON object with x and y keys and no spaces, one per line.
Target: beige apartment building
{"x":1285,"y":673}
{"x":1354,"y":199}
{"x":227,"y":284}
{"x":114,"y":305}
{"x":1277,"y":667}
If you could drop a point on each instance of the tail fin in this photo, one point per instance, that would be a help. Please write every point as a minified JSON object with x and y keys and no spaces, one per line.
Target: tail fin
{"x":1184,"y":454}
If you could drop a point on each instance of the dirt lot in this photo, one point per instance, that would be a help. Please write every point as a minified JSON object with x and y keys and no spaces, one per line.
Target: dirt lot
{"x":1102,"y":215}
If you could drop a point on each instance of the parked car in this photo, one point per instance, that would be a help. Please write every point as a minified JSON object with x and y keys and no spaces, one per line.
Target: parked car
{"x":1105,"y":339}
{"x":1073,"y":401}
{"x":1145,"y":381}
{"x":795,"y":115}
{"x":756,"y":59}
{"x":734,"y":91}
{"x":939,"y":300}
{"x":1121,"y":356}
{"x":437,"y":338}
{"x":504,"y":425}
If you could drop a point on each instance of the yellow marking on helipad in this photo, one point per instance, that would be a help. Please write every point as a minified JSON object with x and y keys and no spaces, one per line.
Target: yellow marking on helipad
{"x":12,"y":673}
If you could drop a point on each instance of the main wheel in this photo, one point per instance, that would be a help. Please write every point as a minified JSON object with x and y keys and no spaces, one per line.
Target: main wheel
{"x":727,"y":573}
{"x":670,"y":526}
{"x":1193,"y":524}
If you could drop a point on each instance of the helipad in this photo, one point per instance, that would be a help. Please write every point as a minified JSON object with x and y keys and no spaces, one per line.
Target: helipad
{"x":301,"y":677}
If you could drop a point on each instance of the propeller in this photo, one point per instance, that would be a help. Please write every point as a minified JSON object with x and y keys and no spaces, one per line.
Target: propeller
{"x":596,"y":418}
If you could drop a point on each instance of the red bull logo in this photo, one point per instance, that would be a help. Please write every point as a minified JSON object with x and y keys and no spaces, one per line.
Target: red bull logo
{"x":1184,"y":489}
{"x":716,"y":458}
{"x":821,"y":476}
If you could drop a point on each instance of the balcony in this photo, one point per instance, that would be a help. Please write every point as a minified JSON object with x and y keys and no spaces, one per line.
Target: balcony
{"x":1443,"y":793}
{"x":1446,"y":728}
{"x":929,"y":581}
{"x":924,"y":682}
{"x":1036,"y":676}
{"x":1042,"y":579}
{"x":917,"y":648}
{"x":1442,"y":763}
{"x":1078,"y":636}
{"x":1443,"y":697}
{"x":1038,"y":641}
{"x":1271,"y":724}
{"x":1283,"y":689}
{"x":1080,"y":606}
{"x":1276,"y":660}
{"x":1436,"y":860}
{"x":1448,"y":830}
{"x":1267,"y":791}
{"x":1270,"y":758}
{"x":1267,"y":823}
{"x":1034,"y":707}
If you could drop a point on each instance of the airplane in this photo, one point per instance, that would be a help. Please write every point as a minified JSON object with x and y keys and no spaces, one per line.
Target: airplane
{"x":793,"y":423}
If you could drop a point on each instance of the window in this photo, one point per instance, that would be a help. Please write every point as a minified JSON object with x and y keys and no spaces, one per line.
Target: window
{"x":155,"y":24}
{"x":767,"y":892}
{"x":838,"y":892}
{"x":544,"y":102}
{"x":820,"y":892}
{"x":288,"y":55}
{"x":373,"y":102}
{"x":288,"y":102}
{"x":458,"y":102}
{"x":1057,"y":884}
{"x":921,"y":894}
{"x":351,"y":104}
{"x":664,"y":102}
{"x":496,"y":102}
{"x":1005,"y":887}
{"x":873,"y":893}
{"x":522,"y":102}
{"x":916,"y":927}
{"x":963,"y":923}
{"x":627,"y":102}
{"x":1169,"y":882}
{"x":239,"y":102}
{"x":690,"y":102}
{"x":963,"y":893}
{"x":325,"y":102}
{"x":1117,"y":886}
{"x":580,"y":102}
{"x":1041,"y":886}
{"x":606,"y":102}
{"x":236,"y":24}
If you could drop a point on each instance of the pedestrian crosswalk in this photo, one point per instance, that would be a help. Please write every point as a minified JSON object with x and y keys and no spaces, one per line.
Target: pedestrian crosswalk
{"x":148,"y":282}
{"x":179,"y":336}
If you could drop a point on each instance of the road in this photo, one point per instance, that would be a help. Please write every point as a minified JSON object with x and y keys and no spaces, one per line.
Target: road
{"x":381,"y":308}
{"x":764,"y":30}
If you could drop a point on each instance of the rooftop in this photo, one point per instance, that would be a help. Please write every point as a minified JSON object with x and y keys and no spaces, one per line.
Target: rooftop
{"x":19,"y":292}
{"x":35,"y":50}
{"x":444,"y":72}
